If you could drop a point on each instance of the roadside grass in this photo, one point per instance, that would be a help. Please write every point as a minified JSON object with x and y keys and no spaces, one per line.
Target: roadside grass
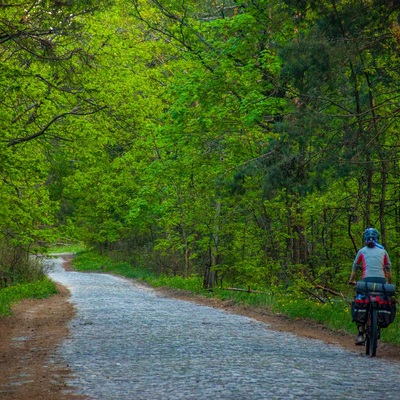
{"x":39,"y":289}
{"x":67,"y":248}
{"x":87,"y":260}
{"x":192,"y":283}
{"x":32,"y":281}
{"x":335,"y":314}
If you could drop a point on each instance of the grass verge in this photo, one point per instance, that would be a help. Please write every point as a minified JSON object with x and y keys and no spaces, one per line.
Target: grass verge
{"x":39,"y":289}
{"x":67,"y":248}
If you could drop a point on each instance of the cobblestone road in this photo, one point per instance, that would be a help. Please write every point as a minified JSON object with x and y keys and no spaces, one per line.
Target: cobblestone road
{"x":127,"y":342}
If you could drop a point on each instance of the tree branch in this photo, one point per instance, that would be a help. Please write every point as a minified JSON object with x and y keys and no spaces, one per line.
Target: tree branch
{"x":13,"y":142}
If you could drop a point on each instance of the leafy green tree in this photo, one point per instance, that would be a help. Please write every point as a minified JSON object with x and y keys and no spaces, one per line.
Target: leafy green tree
{"x":307,"y":88}
{"x":248,"y":142}
{"x":42,"y":52}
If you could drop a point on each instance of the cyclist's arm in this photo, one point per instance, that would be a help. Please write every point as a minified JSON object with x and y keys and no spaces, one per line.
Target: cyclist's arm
{"x":355,"y":267}
{"x":388,"y":268}
{"x":352,"y":277}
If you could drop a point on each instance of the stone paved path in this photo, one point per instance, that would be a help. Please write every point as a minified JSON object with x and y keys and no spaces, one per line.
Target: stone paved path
{"x":127,"y":342}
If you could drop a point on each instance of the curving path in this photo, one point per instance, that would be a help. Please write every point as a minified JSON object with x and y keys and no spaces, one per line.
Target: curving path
{"x":127,"y":342}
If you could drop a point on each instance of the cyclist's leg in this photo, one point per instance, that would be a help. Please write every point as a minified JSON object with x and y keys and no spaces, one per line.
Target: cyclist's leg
{"x":360,"y":340}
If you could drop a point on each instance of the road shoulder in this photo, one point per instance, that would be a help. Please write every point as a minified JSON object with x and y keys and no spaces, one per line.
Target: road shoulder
{"x":28,"y":346}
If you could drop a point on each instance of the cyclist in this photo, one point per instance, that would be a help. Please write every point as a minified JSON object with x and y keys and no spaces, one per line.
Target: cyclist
{"x":373,"y":260}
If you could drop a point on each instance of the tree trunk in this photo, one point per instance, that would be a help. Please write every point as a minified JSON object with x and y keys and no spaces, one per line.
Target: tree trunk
{"x":383,"y":202}
{"x":210,"y":275}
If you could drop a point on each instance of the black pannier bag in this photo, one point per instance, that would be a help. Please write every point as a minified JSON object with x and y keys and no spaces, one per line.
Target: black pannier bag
{"x":386,"y":310}
{"x":359,"y":309}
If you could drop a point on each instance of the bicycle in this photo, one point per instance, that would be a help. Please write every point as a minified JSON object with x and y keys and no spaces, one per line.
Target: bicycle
{"x":375,"y":309}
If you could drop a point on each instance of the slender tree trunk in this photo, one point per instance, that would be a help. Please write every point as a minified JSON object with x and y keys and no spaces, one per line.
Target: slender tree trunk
{"x":383,"y":202}
{"x":210,"y":275}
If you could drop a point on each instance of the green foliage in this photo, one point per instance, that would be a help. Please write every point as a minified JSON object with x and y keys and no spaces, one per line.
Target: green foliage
{"x":43,"y":53}
{"x":18,"y":266}
{"x":256,"y":140}
{"x":39,"y":289}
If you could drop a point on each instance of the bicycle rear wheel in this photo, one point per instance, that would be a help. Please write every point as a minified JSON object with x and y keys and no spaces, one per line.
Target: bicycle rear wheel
{"x":372,"y":335}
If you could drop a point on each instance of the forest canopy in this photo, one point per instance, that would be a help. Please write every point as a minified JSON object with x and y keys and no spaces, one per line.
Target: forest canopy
{"x":248,"y":142}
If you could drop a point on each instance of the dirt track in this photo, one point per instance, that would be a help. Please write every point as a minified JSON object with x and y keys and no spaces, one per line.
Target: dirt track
{"x":28,"y":339}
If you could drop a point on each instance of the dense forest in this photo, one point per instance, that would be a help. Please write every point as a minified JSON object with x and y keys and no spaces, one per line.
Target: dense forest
{"x":248,"y":142}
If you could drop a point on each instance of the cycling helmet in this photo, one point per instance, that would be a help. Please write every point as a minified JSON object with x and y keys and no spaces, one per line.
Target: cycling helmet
{"x":371,"y":234}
